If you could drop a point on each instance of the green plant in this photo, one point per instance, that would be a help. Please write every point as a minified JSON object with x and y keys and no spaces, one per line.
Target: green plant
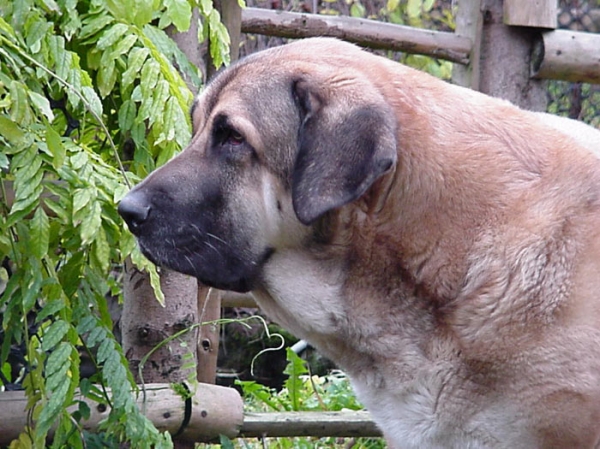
{"x":421,"y":14}
{"x":83,"y":85}
{"x":303,"y":392}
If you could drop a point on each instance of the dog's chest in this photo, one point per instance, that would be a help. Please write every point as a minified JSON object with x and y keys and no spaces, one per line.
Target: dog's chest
{"x":429,"y":412}
{"x":301,"y":294}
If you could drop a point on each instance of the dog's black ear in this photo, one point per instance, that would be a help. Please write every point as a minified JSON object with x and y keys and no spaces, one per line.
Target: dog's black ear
{"x":346,"y":141}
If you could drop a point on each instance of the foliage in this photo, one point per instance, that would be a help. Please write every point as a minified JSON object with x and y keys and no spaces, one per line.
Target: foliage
{"x":83,"y":83}
{"x":303,"y":392}
{"x":579,"y":101}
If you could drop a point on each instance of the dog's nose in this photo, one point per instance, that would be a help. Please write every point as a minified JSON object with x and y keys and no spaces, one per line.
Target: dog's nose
{"x":135,"y":210}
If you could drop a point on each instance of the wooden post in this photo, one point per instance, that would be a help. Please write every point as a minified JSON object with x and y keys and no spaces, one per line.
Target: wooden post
{"x":531,"y":13}
{"x":209,"y":307}
{"x":145,"y":325}
{"x":469,"y":23}
{"x":506,"y":58}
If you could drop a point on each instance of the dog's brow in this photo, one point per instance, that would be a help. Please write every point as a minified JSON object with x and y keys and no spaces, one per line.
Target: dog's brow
{"x":219,"y":83}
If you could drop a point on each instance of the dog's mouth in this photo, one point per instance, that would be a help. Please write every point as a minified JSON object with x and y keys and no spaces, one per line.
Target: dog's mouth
{"x":214,"y":267}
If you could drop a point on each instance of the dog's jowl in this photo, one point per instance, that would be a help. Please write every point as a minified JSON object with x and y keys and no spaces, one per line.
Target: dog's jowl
{"x":441,"y":246}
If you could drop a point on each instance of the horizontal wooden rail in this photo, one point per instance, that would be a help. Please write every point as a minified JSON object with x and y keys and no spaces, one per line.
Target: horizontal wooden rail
{"x":365,"y":32}
{"x":567,"y":55}
{"x":315,"y":424}
{"x":212,"y":410}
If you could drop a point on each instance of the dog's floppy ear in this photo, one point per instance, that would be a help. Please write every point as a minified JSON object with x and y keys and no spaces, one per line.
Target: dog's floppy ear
{"x":346,"y":141}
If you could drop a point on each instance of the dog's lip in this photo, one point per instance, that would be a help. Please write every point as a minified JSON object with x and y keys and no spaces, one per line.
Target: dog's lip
{"x":243,"y":284}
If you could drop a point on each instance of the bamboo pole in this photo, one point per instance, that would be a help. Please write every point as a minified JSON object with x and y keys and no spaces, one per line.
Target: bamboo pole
{"x":369,"y":33}
{"x":567,"y":55}
{"x":314,"y":424}
{"x":211,"y":411}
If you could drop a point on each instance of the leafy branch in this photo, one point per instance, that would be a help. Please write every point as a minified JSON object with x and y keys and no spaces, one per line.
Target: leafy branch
{"x":90,"y":100}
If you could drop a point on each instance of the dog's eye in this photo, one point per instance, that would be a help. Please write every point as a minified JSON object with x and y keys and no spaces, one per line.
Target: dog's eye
{"x":234,"y":138}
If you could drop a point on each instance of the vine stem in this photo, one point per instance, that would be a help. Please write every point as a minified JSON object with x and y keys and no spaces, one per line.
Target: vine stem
{"x":72,"y":88}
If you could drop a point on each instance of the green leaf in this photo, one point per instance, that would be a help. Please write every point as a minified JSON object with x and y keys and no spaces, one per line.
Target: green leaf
{"x":295,"y":368}
{"x":180,"y":13}
{"x":428,"y":5}
{"x":52,"y":307}
{"x":136,"y":59}
{"x":19,"y":112}
{"x":4,"y":162}
{"x":62,"y":58}
{"x":92,"y":100}
{"x":124,"y":45}
{"x":39,"y":233}
{"x":150,"y":75}
{"x":35,"y":32}
{"x":160,"y":95}
{"x":7,"y":371}
{"x":144,"y":264}
{"x":32,"y":286}
{"x":225,"y":442}
{"x":95,"y":23}
{"x":11,"y":131}
{"x":111,"y":36}
{"x":56,"y":147}
{"x":79,"y":160}
{"x":357,"y":10}
{"x":91,"y":222}
{"x":81,"y":198}
{"x":54,"y":334}
{"x":42,"y":104}
{"x":101,"y":250}
{"x":105,"y":350}
{"x":413,"y":8}
{"x":219,"y":40}
{"x":106,"y":79}
{"x":127,"y":113}
{"x":206,"y":6}
{"x":84,"y":410}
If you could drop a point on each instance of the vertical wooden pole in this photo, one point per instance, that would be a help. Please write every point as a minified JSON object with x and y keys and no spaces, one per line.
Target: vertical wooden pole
{"x":145,"y":326}
{"x":209,"y":306}
{"x":469,"y":23}
{"x":500,"y":61}
{"x":506,"y":57}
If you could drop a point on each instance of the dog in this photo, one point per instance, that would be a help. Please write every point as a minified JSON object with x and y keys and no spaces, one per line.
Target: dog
{"x":441,"y":246}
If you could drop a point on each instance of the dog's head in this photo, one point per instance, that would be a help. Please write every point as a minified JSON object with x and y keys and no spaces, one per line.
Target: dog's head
{"x":279,"y":139}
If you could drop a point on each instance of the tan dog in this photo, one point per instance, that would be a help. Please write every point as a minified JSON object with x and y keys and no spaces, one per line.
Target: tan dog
{"x":440,"y":245}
